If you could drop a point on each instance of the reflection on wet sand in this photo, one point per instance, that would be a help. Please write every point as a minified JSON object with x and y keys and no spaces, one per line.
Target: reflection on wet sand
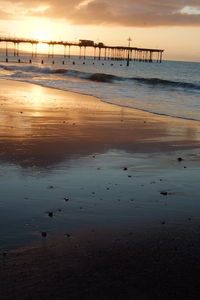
{"x":42,"y":127}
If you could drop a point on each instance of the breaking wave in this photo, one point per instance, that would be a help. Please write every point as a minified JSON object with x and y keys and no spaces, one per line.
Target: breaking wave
{"x":102,"y":77}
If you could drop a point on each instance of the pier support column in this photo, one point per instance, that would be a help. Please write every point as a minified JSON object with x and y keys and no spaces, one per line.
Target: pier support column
{"x":52,"y":51}
{"x":84,"y":52}
{"x":6,"y":49}
{"x":14,"y":50}
{"x":105,"y":52}
{"x":17,"y":49}
{"x":64,"y":51}
{"x":161,"y":56}
{"x":99,"y":53}
{"x":150,"y":57}
{"x":32,"y":50}
{"x":49,"y":50}
{"x":36,"y":50}
{"x":80,"y":52}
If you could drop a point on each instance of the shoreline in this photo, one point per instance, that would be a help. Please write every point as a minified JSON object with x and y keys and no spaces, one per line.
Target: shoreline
{"x":107,"y":102}
{"x":101,"y":170}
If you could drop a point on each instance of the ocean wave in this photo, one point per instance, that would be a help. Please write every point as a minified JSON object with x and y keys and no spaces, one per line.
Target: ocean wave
{"x":168,"y":83}
{"x":103,"y":77}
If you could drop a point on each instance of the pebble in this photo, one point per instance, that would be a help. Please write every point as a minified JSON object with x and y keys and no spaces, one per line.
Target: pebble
{"x":68,"y":235}
{"x":43,"y":234}
{"x":4,"y":253}
{"x":164,"y":193}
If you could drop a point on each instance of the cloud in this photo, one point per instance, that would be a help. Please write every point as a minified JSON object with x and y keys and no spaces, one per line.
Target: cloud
{"x":143,"y":13}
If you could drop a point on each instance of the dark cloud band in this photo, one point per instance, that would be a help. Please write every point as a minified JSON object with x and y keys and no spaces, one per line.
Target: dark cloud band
{"x":143,"y":13}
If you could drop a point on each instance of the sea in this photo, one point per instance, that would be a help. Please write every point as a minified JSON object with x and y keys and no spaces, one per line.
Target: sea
{"x":170,"y":88}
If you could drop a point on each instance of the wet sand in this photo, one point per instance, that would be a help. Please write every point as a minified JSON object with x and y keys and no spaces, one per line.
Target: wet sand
{"x":44,"y":126}
{"x":130,"y":228}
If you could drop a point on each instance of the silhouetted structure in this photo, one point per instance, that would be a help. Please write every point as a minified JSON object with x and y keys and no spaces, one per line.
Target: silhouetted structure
{"x":104,"y":52}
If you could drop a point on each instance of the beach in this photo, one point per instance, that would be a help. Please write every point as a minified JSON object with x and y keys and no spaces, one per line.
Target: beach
{"x":98,"y":201}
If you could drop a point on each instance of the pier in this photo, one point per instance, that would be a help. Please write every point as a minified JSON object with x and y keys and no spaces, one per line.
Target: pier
{"x":100,"y":51}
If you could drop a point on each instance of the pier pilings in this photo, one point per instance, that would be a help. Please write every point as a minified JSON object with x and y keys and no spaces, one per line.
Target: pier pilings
{"x":100,"y":51}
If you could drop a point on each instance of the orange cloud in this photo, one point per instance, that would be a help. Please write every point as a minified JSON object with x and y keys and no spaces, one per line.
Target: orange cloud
{"x":143,"y":13}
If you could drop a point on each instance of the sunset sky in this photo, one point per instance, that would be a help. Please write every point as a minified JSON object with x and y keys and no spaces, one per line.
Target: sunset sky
{"x":165,"y":24}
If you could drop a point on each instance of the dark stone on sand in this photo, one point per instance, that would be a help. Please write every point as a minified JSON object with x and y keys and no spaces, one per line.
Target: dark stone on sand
{"x":51,"y":187}
{"x":4,"y":253}
{"x":67,"y":235}
{"x":66,"y":199}
{"x":125,"y":168}
{"x":179,"y":158}
{"x":129,"y":176}
{"x":43,"y":234}
{"x":164,"y":193}
{"x":50,"y":214}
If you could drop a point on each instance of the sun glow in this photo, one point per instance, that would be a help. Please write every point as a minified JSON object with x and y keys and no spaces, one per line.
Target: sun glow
{"x":41,"y":34}
{"x":39,"y":29}
{"x":42,"y":48}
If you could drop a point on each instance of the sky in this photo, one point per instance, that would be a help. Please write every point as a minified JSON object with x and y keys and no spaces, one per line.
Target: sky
{"x":172,"y":25}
